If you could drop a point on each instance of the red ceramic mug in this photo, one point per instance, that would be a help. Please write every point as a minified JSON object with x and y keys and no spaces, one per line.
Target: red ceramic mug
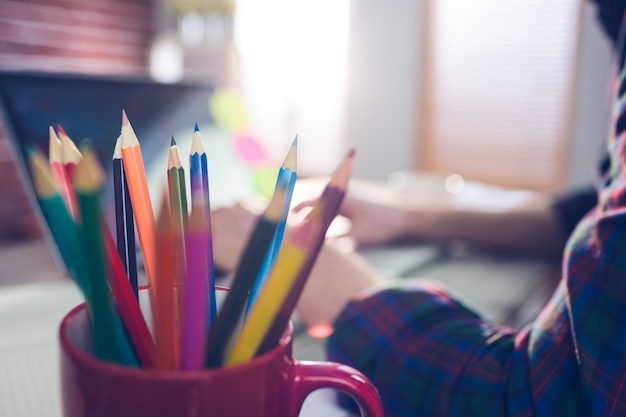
{"x":272,"y":385}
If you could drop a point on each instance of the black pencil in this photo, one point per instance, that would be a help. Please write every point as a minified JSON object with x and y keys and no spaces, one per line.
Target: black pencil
{"x":124,"y":219}
{"x":247,"y":271}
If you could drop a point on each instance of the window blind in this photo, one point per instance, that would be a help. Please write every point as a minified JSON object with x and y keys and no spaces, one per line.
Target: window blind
{"x":104,"y":37}
{"x":499,"y":88}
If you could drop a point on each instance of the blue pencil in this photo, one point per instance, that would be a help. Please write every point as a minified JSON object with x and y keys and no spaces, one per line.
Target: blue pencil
{"x":199,"y":180}
{"x":286,"y":180}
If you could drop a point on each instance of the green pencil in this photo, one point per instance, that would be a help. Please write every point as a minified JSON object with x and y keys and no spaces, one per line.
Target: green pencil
{"x":109,"y":338}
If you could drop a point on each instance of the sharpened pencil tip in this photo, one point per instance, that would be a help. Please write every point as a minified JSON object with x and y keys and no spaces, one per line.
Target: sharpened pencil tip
{"x":117,"y":151}
{"x":295,"y":141}
{"x":61,"y":130}
{"x":195,"y":129}
{"x":341,"y":177}
{"x":173,"y":141}
{"x":124,"y":118}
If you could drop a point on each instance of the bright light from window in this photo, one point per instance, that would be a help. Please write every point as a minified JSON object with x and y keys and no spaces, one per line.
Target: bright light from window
{"x":167,"y":59}
{"x":293,"y":64}
{"x":454,"y":183}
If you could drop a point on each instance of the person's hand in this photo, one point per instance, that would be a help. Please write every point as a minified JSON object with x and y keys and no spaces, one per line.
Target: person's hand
{"x":339,"y":275}
{"x":374,"y":212}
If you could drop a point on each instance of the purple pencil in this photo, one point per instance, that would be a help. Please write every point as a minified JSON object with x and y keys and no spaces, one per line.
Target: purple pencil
{"x":196,"y":290}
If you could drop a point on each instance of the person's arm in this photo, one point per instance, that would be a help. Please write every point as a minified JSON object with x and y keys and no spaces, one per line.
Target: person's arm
{"x":540,"y":224}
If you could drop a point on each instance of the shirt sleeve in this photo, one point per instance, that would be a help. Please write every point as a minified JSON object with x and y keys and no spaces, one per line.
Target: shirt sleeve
{"x":426,"y":352}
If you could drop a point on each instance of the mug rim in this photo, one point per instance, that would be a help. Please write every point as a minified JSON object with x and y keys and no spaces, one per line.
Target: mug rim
{"x":85,"y":359}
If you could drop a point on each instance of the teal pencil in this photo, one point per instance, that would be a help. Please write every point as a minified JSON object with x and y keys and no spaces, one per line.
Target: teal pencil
{"x":111,"y":344}
{"x":63,"y":228}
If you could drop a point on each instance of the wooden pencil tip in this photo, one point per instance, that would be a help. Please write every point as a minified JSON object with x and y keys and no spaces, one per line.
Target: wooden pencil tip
{"x":124,"y":118}
{"x":61,"y":130}
{"x":89,"y":174}
{"x":117,"y":152}
{"x":195,"y":129}
{"x":295,"y":141}
{"x":291,"y":160}
{"x":197,"y":147}
{"x":55,"y":148}
{"x":341,"y":178}
{"x":43,"y":181}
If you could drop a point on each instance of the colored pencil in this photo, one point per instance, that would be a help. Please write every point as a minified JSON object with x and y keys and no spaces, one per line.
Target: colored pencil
{"x":195,"y":317}
{"x":66,"y":234}
{"x":247,"y":270}
{"x":55,"y":158}
{"x":139,"y":195}
{"x":165,"y":314}
{"x":199,"y":179}
{"x":178,"y":213}
{"x":111,"y":343}
{"x":70,"y":153}
{"x":124,"y":219}
{"x":329,"y":202}
{"x":63,"y":228}
{"x":127,"y":304}
{"x":291,"y":259}
{"x":286,"y":179}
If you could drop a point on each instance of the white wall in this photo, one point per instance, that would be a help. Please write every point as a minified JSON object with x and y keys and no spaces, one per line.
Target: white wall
{"x":385,"y":51}
{"x":383,"y":72}
{"x":592,"y":103}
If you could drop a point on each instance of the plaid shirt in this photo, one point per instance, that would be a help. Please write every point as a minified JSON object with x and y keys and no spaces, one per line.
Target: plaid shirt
{"x":429,"y":355}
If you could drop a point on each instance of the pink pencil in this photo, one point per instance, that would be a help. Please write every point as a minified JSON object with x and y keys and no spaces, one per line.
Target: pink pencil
{"x":196,"y":290}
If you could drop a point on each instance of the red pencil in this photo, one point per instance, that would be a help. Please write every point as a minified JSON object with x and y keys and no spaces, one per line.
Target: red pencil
{"x":71,"y":154}
{"x":59,"y":172}
{"x":127,"y":304}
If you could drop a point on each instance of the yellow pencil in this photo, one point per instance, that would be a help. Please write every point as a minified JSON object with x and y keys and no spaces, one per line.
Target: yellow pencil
{"x":291,"y":258}
{"x":139,"y":196}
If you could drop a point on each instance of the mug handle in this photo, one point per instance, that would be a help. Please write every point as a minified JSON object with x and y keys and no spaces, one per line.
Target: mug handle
{"x":312,"y":375}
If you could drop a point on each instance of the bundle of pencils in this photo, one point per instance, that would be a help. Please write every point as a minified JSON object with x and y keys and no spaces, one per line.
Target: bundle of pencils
{"x":188,"y":330}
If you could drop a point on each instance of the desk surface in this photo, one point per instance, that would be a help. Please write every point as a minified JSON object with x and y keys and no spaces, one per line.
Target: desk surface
{"x":34,"y":297}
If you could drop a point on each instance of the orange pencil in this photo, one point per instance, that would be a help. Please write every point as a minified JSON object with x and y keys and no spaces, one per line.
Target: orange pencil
{"x":165,"y":314}
{"x":139,"y":195}
{"x":61,"y":177}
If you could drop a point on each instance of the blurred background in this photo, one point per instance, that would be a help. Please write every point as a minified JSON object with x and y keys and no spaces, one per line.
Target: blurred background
{"x":508,"y":93}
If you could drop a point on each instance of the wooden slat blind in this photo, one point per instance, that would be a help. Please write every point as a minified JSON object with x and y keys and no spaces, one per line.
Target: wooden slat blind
{"x":104,"y":37}
{"x":498,"y":91}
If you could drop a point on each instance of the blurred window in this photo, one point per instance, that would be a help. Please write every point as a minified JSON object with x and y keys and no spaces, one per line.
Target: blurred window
{"x":499,"y":90}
